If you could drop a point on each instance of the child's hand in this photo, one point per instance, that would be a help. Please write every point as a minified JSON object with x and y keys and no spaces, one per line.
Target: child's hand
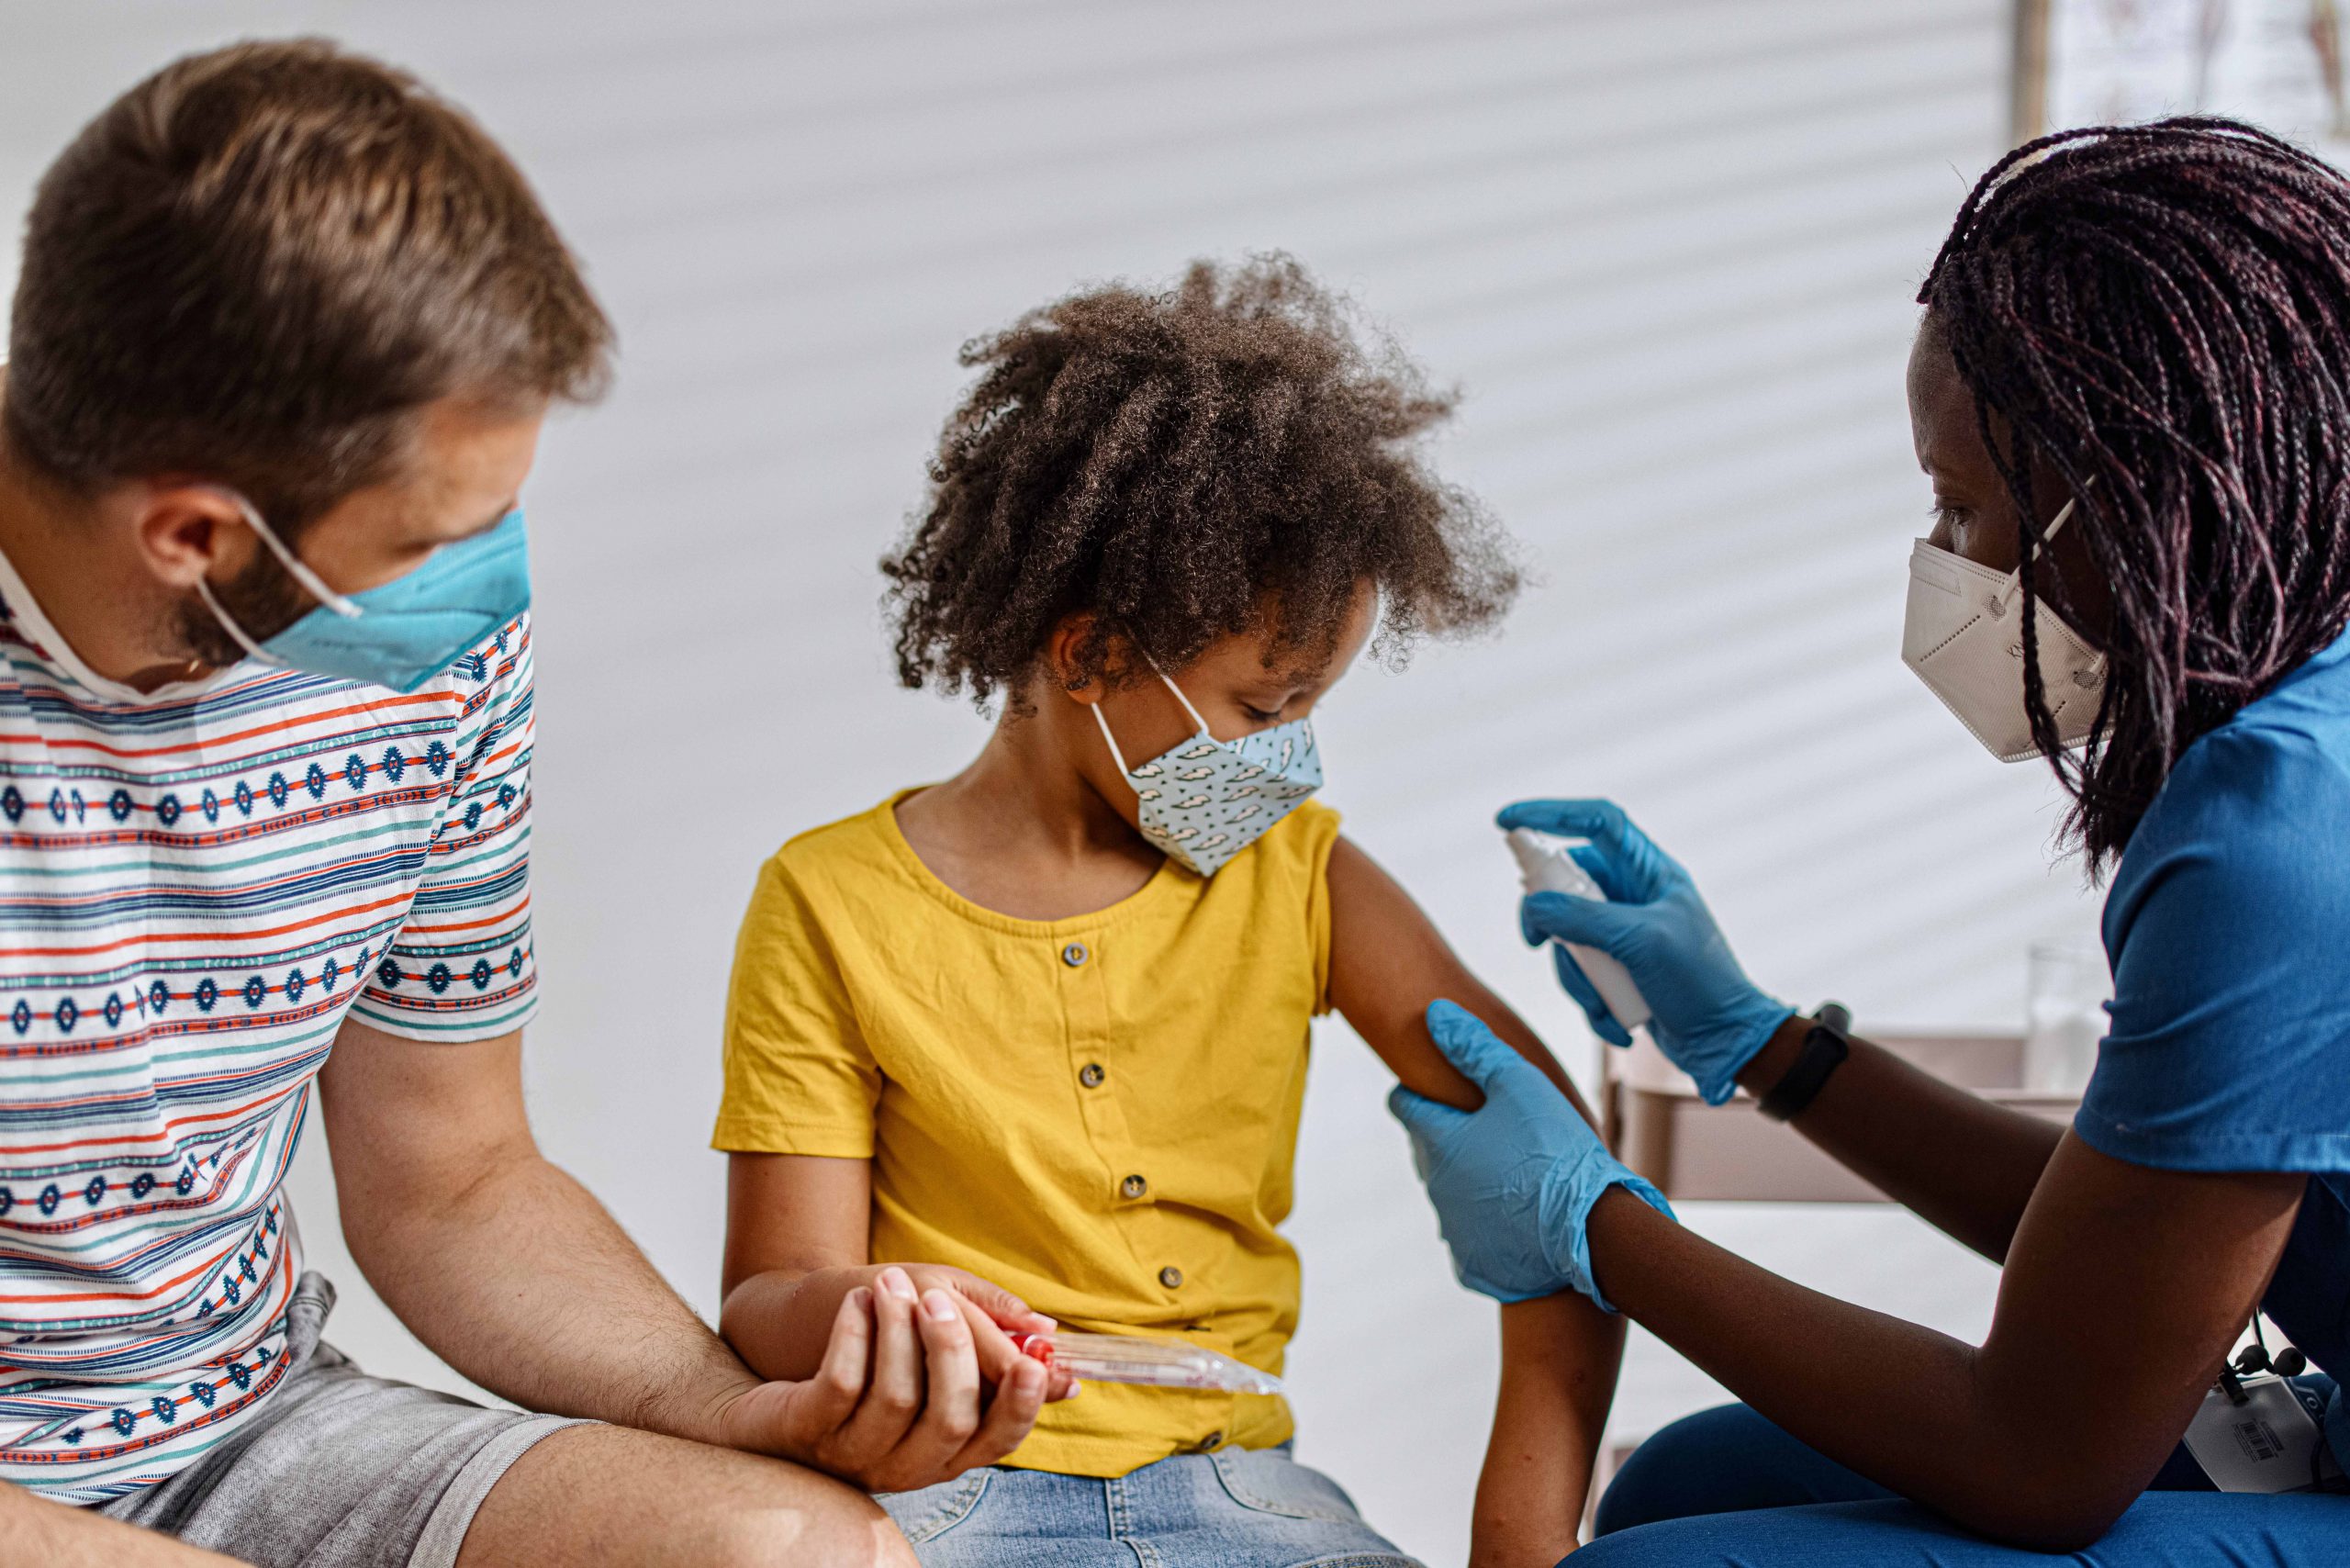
{"x":994,"y":1314}
{"x":897,"y":1404}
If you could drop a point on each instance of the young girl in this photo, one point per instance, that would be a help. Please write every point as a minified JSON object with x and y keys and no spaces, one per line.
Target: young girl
{"x":1035,"y":1038}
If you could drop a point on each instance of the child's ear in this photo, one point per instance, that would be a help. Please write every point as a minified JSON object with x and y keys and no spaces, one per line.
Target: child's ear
{"x":1064,"y":657}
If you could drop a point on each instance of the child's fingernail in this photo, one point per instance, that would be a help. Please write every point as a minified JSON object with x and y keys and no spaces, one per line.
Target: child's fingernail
{"x":1043,"y":1323}
{"x":895,"y":1282}
{"x":861,"y":1299}
{"x":940,"y":1307}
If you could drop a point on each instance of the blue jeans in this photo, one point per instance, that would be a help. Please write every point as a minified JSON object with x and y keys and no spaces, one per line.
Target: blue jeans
{"x":1727,"y":1489}
{"x":1234,"y":1508}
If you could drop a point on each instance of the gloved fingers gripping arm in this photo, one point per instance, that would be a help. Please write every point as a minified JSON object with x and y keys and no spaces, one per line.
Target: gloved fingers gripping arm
{"x":1513,"y":1181}
{"x":1708,"y":1017}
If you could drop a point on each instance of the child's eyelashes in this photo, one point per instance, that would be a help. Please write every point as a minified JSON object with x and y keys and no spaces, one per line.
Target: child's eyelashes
{"x":1258,"y":715}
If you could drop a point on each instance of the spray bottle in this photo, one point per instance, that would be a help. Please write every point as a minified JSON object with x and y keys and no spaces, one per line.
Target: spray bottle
{"x":1549,"y":870}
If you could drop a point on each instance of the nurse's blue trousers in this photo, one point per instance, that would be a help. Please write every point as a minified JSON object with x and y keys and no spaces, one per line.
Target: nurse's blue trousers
{"x":1728,"y":1489}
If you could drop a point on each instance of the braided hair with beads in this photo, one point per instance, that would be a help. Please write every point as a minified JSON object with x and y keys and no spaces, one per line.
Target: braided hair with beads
{"x":2158,"y":316}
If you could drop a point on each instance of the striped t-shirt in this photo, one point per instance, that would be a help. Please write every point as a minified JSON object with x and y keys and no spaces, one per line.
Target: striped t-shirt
{"x":197,"y":887}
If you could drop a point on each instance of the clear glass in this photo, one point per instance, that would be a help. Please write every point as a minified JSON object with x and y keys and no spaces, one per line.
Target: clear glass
{"x":2066,"y":987}
{"x":1161,"y":1364}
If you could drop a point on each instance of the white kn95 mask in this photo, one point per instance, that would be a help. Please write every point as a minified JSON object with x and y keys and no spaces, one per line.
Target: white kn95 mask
{"x":1963,"y":636}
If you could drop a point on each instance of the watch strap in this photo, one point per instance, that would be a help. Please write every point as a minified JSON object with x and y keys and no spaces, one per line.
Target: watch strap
{"x":1824,"y":1051}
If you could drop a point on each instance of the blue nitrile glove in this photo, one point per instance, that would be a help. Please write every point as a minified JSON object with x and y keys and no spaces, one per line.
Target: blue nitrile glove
{"x":1514,"y":1180}
{"x":1709,"y":1017}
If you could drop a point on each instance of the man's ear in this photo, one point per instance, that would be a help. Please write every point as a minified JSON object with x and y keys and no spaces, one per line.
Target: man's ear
{"x":187,"y":531}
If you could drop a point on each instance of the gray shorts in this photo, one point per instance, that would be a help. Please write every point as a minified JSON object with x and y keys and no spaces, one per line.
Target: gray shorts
{"x":341,"y":1470}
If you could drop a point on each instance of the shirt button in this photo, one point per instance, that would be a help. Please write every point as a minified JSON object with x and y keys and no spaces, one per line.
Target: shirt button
{"x":1171,"y":1276}
{"x":1074,"y":954}
{"x":1212,"y":1441}
{"x":1133,"y":1186}
{"x":1092,"y":1075}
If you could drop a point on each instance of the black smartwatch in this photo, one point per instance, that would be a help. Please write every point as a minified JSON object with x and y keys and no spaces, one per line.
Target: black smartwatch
{"x":1824,"y":1051}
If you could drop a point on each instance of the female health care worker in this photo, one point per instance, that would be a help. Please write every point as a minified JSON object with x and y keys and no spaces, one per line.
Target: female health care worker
{"x":2132,"y":391}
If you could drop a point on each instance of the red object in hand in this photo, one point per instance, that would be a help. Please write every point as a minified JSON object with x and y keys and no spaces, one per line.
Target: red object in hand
{"x":1036,"y":1346}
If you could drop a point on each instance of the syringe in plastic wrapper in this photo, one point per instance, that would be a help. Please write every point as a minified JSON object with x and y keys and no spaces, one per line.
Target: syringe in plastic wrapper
{"x":1161,"y":1363}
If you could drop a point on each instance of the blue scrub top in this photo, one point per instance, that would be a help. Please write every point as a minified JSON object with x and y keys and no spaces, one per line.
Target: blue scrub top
{"x":2228,"y":928}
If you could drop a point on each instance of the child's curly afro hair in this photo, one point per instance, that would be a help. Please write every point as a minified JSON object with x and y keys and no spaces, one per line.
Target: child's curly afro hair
{"x":1226,"y":457}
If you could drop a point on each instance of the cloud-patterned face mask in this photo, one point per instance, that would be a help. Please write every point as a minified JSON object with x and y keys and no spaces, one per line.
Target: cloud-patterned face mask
{"x":1206,"y":800}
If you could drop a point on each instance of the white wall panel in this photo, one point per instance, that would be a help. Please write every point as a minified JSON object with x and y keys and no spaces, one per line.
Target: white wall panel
{"x":1667,"y":248}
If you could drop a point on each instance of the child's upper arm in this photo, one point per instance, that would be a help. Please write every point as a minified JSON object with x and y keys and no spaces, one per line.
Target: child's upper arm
{"x":1388,"y":962}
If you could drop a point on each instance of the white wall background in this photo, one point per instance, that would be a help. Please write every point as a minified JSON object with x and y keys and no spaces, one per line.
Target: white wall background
{"x":1666,"y":247}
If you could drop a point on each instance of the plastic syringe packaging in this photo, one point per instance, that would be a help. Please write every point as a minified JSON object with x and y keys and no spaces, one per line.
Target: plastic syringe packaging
{"x":1160,"y":1363}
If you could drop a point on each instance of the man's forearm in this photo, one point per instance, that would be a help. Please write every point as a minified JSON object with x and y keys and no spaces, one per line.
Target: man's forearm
{"x":1964,"y":1165}
{"x":524,"y":1283}
{"x":1560,"y":1357}
{"x":37,"y":1533}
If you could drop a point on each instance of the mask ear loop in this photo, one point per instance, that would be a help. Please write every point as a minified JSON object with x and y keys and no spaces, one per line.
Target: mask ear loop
{"x":228,"y":623}
{"x":313,"y":584}
{"x":1115,"y":755}
{"x":2058,"y":521}
{"x":1120,"y":757}
{"x":1194,"y":712}
{"x":2014,"y":585}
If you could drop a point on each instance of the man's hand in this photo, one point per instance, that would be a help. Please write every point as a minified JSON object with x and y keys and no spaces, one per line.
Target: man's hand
{"x":993,"y":1314}
{"x":898,"y":1403}
{"x":508,"y":1269}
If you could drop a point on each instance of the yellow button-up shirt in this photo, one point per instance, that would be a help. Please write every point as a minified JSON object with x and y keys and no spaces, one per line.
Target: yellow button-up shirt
{"x":1099,"y":1114}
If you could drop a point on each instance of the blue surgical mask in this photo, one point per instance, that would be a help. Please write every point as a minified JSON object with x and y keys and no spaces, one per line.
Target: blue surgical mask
{"x":1205,"y":801}
{"x":410,"y":629}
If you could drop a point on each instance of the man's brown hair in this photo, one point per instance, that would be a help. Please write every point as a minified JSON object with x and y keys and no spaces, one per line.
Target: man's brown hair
{"x":259,"y":264}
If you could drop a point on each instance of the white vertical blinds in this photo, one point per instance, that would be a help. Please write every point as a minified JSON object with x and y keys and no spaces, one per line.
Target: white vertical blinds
{"x":1666,"y":248}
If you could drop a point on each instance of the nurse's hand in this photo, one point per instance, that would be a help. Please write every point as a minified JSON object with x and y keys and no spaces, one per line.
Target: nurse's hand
{"x":1709,"y":1019}
{"x":1514,"y":1180}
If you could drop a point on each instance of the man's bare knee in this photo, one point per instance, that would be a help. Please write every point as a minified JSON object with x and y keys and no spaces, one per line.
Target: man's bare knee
{"x":831,"y":1525}
{"x":607,"y":1498}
